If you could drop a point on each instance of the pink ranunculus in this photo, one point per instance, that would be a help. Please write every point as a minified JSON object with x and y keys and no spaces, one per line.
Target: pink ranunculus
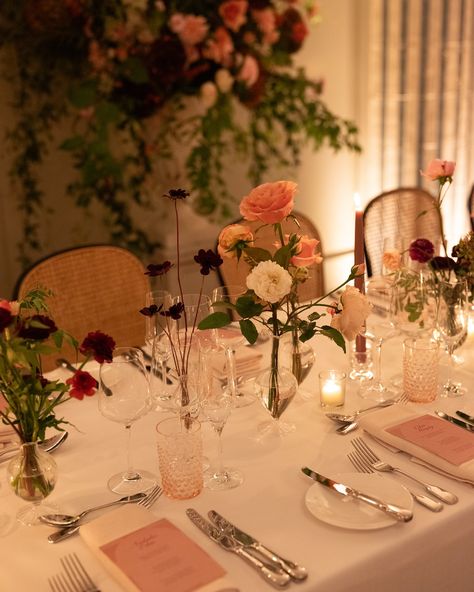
{"x":219,"y":49}
{"x":232,"y":235}
{"x":270,"y":202}
{"x":249,"y":71}
{"x":355,"y":309}
{"x":233,"y":13}
{"x":306,"y":254}
{"x":439,"y":169}
{"x":191,"y":29}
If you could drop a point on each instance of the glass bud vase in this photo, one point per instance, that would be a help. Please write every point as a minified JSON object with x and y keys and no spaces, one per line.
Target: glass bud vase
{"x":299,"y":356}
{"x":276,"y":387}
{"x":32,"y":475}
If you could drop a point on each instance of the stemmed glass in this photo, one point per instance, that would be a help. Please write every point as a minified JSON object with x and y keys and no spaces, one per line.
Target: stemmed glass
{"x":379,"y":294}
{"x":124,"y":397}
{"x":216,"y":407}
{"x":223,"y":300}
{"x":452,"y":320}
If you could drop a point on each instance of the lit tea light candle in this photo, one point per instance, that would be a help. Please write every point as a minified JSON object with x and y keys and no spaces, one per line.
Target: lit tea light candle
{"x":332,"y":388}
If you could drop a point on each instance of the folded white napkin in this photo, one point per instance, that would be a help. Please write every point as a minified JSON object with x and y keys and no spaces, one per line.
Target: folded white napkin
{"x":102,"y":533}
{"x":378,"y":422}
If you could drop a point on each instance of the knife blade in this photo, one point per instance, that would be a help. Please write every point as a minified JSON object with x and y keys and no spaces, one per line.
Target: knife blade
{"x":455,"y":421}
{"x":272,"y":575}
{"x":292,"y":569}
{"x":392,"y":510}
{"x":465,"y":416}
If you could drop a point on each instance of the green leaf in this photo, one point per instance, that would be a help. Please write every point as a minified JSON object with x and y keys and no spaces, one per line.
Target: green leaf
{"x":107,"y":112}
{"x":283,"y":255}
{"x":135,"y":71}
{"x":314,"y":316}
{"x":214,"y":321}
{"x":83,"y":95}
{"x":73,"y":143}
{"x":247,"y":307}
{"x":249,"y":330}
{"x":334,"y":334}
{"x":257,"y":255}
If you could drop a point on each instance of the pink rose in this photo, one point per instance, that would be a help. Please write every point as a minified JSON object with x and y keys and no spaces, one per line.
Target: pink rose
{"x":266,"y":22}
{"x":249,"y":71}
{"x":306,"y":254}
{"x":439,"y":169}
{"x":270,"y":202}
{"x":355,"y":309}
{"x":191,"y":29}
{"x":230,"y":237}
{"x":233,"y":13}
{"x":220,"y":48}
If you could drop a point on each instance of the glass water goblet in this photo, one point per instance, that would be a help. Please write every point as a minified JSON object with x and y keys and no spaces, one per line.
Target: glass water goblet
{"x":378,"y":292}
{"x":452,"y":323}
{"x":124,"y":397}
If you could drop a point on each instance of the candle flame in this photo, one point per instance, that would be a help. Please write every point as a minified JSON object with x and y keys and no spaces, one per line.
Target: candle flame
{"x":357,"y":202}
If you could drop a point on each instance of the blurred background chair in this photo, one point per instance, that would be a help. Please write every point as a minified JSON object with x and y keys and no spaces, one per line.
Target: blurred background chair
{"x":232,"y":272}
{"x":98,"y":287}
{"x":407,"y":212}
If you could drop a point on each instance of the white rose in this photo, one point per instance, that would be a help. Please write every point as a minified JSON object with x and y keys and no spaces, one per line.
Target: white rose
{"x":208,"y":94}
{"x":224,"y":80}
{"x":355,"y":309}
{"x":270,"y":281}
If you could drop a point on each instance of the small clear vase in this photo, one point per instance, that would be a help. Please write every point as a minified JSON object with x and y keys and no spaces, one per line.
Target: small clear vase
{"x":276,"y":387}
{"x":299,"y":357}
{"x":32,"y":475}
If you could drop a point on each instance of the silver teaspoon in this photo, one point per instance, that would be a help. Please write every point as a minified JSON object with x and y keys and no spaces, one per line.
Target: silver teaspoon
{"x":353,"y":416}
{"x":62,"y":520}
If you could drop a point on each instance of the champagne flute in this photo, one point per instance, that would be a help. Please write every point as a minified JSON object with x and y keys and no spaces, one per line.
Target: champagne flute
{"x":124,"y":397}
{"x":452,"y":321}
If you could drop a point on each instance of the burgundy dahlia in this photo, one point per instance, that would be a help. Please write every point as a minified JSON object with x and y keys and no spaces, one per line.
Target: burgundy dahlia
{"x":37,"y":327}
{"x":421,"y":250}
{"x":99,"y":345}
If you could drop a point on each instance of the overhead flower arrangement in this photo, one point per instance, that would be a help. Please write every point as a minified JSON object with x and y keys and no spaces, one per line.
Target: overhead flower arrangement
{"x":118,"y":84}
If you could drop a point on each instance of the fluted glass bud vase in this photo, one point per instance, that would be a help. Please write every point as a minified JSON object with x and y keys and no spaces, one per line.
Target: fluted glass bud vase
{"x":32,"y":475}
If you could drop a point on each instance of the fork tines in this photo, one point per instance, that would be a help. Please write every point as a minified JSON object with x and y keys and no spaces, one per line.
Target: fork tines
{"x":75,"y":577}
{"x":151,"y":497}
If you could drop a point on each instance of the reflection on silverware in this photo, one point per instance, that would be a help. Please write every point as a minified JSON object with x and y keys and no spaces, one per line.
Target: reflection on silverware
{"x":295,"y":571}
{"x":271,"y":574}
{"x":465,"y":416}
{"x":359,"y":444}
{"x":347,"y":427}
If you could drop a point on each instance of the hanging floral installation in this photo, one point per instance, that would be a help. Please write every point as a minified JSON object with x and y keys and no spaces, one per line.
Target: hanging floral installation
{"x":118,"y":84}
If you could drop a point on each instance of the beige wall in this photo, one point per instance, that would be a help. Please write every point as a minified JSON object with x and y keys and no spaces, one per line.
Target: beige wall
{"x":327,"y":181}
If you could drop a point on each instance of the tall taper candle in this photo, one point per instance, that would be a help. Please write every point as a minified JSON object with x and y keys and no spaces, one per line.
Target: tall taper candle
{"x":359,"y":282}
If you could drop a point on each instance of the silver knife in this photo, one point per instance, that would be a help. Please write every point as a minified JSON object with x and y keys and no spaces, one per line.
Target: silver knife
{"x":272,"y":575}
{"x":401,"y":514}
{"x":455,"y":421}
{"x":295,"y":571}
{"x":465,"y":416}
{"x":63,"y":533}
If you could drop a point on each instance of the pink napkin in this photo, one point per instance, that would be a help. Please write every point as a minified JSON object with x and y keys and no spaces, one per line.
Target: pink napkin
{"x":436,"y":443}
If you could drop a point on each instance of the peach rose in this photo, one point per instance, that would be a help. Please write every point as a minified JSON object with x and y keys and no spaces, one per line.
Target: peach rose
{"x":220,"y":48}
{"x":439,"y":169}
{"x":269,"y":202}
{"x":249,"y":71}
{"x":392,"y":259}
{"x":230,"y":236}
{"x":191,"y":29}
{"x":355,"y":309}
{"x":233,"y":13}
{"x":306,"y":254}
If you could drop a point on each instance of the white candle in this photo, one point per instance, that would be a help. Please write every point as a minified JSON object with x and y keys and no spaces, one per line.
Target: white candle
{"x":332,"y":388}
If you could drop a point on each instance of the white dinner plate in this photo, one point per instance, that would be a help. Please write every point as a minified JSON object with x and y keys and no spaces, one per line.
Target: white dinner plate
{"x":346,"y":512}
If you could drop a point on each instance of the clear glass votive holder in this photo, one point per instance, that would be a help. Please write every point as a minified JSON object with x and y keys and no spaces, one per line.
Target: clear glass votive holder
{"x":420,"y":369}
{"x":332,"y":388}
{"x":360,"y":362}
{"x":180,"y":457}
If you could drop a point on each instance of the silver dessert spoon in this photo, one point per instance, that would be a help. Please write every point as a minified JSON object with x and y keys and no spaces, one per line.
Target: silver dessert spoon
{"x":61,"y":520}
{"x":353,"y":416}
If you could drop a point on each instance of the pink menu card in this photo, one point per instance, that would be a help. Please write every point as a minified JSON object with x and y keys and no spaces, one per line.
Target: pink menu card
{"x":161,"y":558}
{"x":438,"y":436}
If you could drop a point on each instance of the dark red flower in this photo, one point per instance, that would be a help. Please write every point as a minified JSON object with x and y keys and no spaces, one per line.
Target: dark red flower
{"x":82,"y":383}
{"x":37,"y":327}
{"x":207,"y":260}
{"x":155,"y":269}
{"x":421,"y":250}
{"x":150,"y":311}
{"x":6,"y":318}
{"x":175,"y":194}
{"x":174,"y":311}
{"x":441,"y":263}
{"x":99,"y":345}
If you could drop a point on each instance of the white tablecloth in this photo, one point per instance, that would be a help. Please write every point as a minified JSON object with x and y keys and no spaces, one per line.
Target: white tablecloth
{"x":431,"y":553}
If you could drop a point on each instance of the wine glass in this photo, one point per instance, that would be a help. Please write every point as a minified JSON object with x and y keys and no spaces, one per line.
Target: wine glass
{"x":230,"y":337}
{"x":124,"y":397}
{"x":379,"y":294}
{"x":216,"y":407}
{"x":452,"y":321}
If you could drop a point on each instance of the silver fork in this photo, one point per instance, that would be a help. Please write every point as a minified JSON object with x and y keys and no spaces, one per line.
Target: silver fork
{"x":65,"y":533}
{"x":445,"y":496}
{"x":360,"y":464}
{"x":75,"y":577}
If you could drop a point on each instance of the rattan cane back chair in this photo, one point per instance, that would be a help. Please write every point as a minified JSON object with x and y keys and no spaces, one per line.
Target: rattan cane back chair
{"x":98,"y":287}
{"x":233,"y":272}
{"x":398,"y":213}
